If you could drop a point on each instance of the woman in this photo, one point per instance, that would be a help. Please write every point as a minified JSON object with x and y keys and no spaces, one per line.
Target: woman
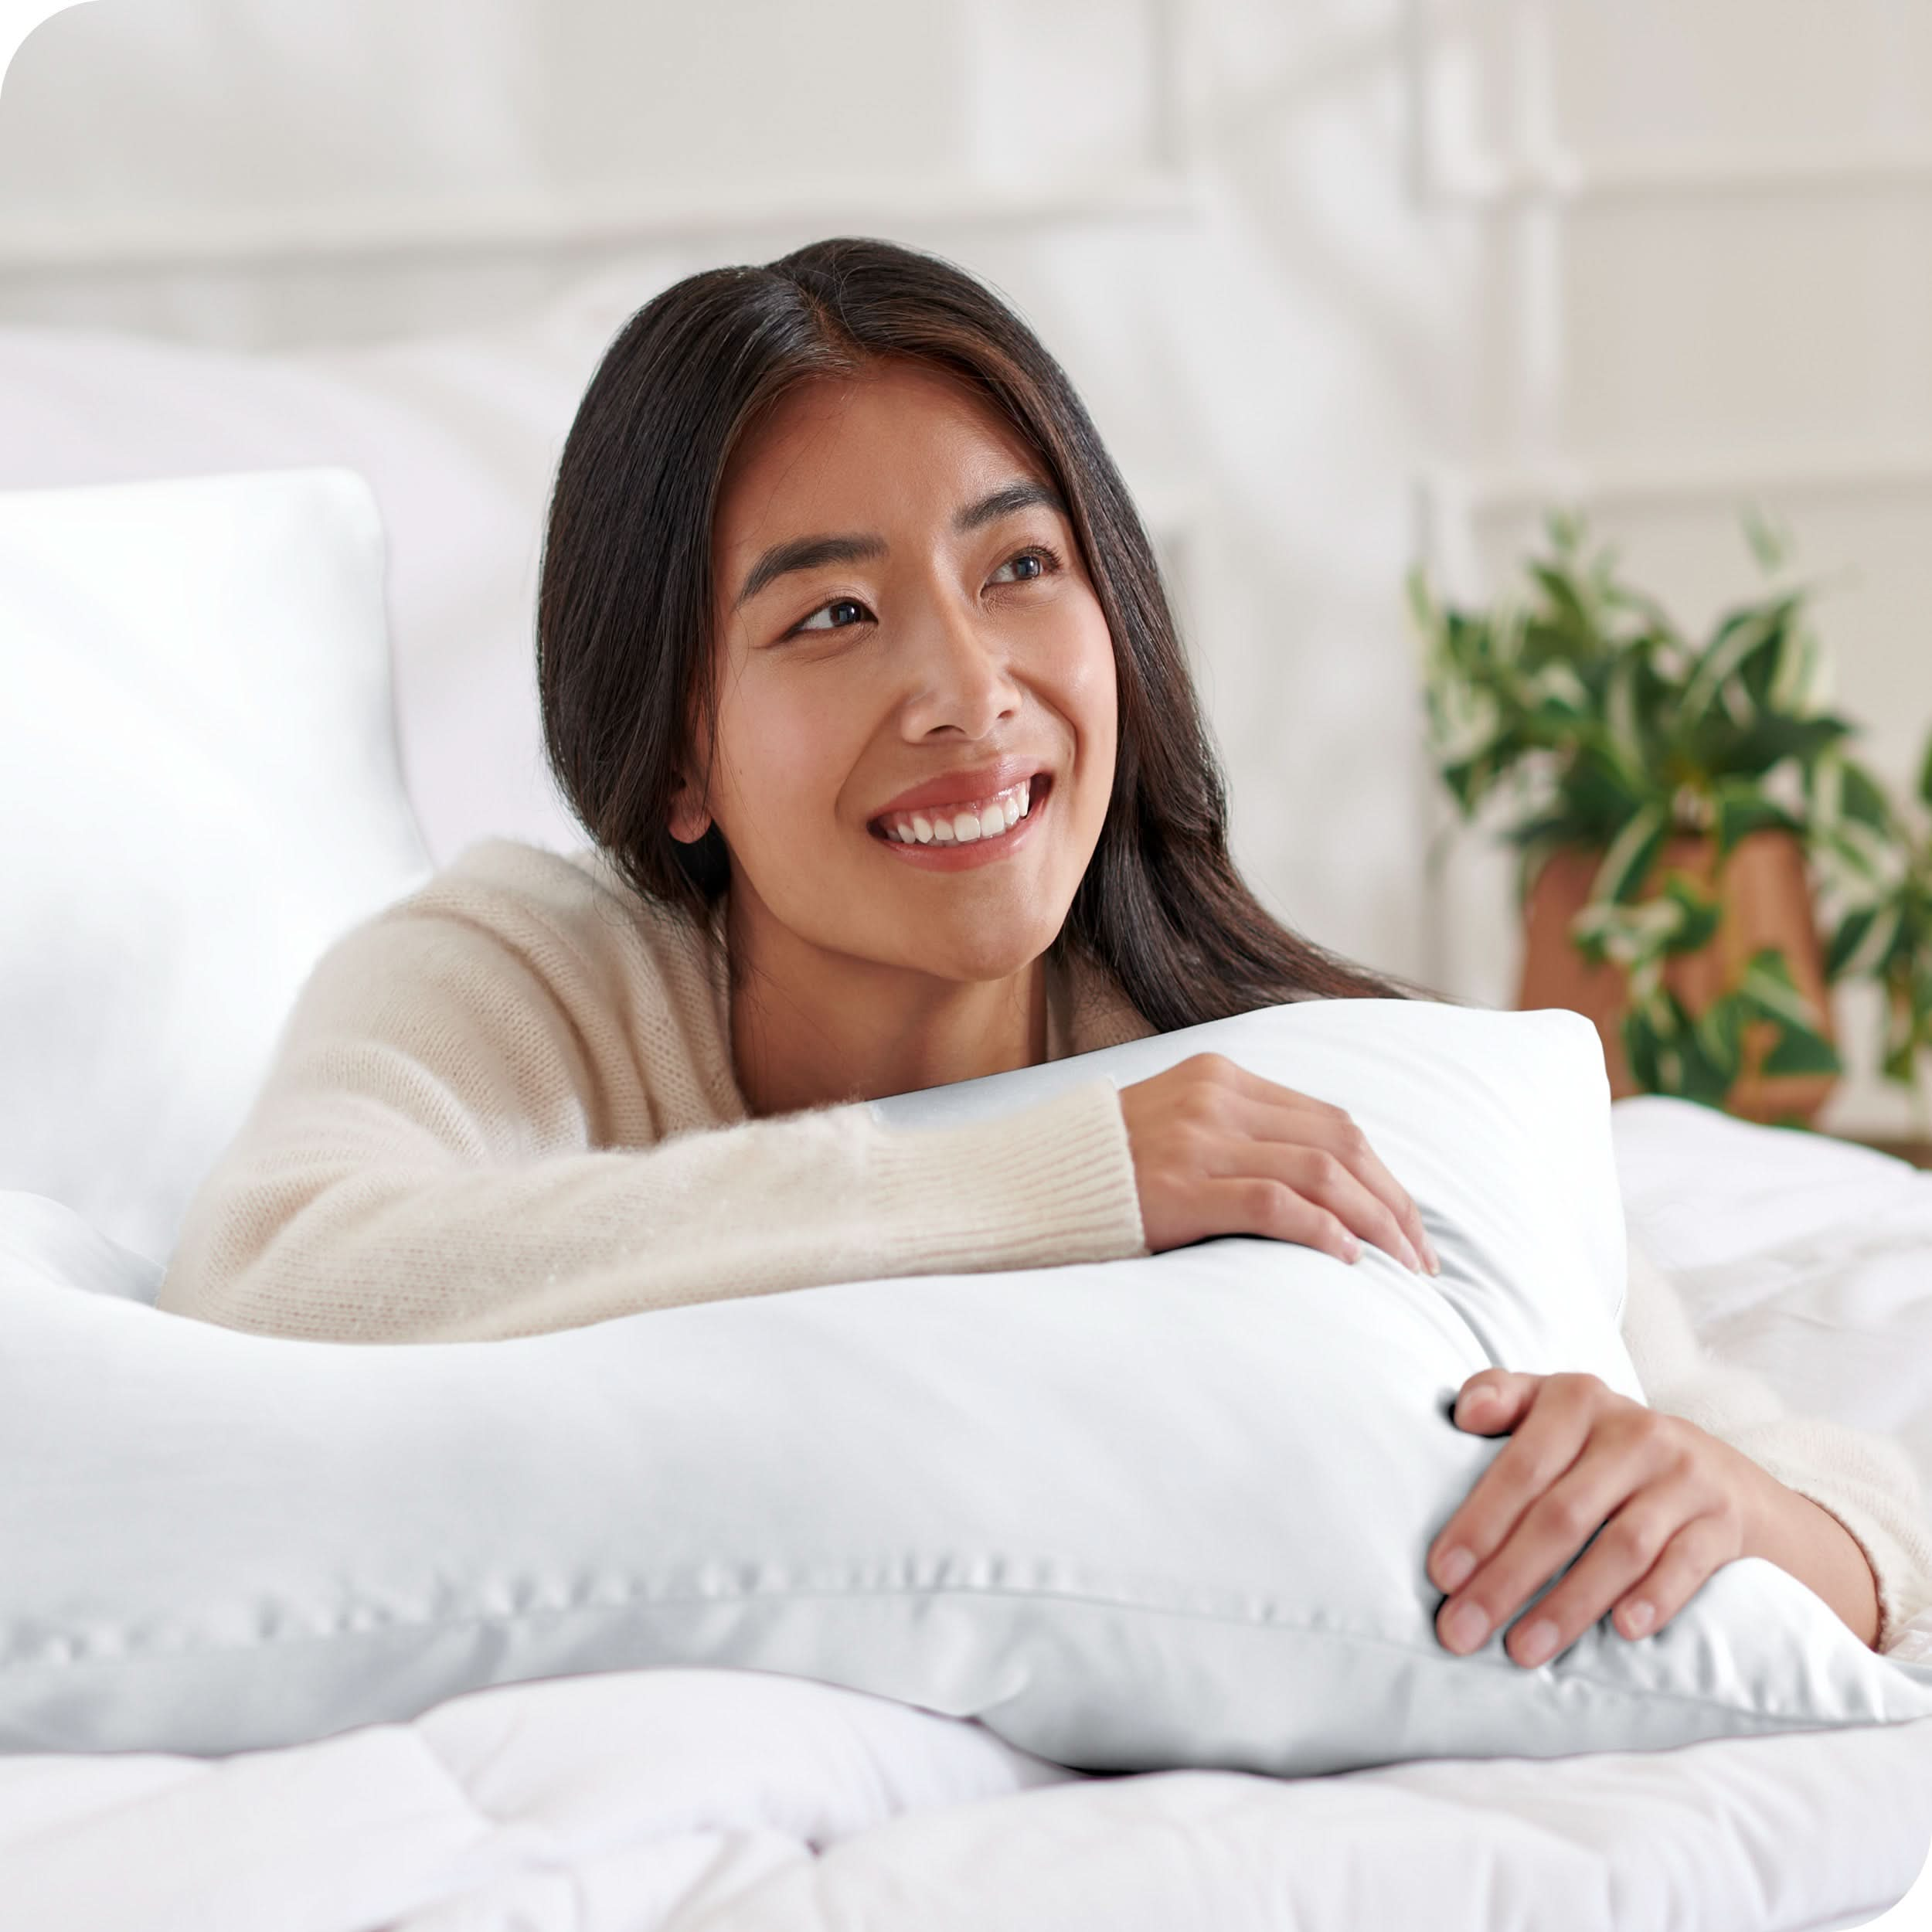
{"x":856,"y":666}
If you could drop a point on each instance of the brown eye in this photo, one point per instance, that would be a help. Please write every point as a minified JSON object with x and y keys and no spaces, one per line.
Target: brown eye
{"x":1042,"y":558}
{"x":838,"y":603}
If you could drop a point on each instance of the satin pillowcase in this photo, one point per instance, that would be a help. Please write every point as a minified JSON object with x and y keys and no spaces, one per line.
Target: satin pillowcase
{"x":1156,"y":1512}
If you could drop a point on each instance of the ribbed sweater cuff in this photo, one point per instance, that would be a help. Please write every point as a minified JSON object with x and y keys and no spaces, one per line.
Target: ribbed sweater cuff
{"x":1053,"y":1184}
{"x":1899,"y":1575}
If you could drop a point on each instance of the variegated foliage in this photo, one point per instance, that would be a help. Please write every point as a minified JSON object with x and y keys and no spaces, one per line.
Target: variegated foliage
{"x":1584,"y":712}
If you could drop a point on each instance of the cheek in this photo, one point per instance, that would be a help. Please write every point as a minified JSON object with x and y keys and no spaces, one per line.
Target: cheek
{"x":785,"y":765}
{"x":1088,"y":692}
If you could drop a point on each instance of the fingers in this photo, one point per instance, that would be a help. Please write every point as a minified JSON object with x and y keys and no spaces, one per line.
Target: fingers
{"x":1646,"y":1563}
{"x":1274,"y":1210}
{"x":1571,"y":1475}
{"x":1321,"y":1178}
{"x":1478,"y":1556}
{"x":1297,"y":1168}
{"x":1692,"y":1557}
{"x":1547,"y":1537}
{"x":1554,"y":1417}
{"x":1494,"y":1399}
{"x":1278,"y":1112}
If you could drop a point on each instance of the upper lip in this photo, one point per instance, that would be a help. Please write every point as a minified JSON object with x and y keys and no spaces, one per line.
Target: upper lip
{"x":967,"y":786}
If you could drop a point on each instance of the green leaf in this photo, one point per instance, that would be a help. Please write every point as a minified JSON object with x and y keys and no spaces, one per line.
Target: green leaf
{"x":1925,"y":776}
{"x":1639,"y":1038}
{"x":1901,"y":1048}
{"x":1465,"y":721}
{"x":1556,"y":687}
{"x":1626,"y":935}
{"x":1568,"y":530}
{"x":1623,"y":730}
{"x":1628,"y":861}
{"x":1604,"y":795}
{"x":1719,"y":1030}
{"x":1803,"y":680}
{"x":1863,"y":940}
{"x":1857,"y":848}
{"x":1569,"y":617}
{"x":1802,"y":1051}
{"x":1740,"y":633}
{"x":1863,"y":798}
{"x":1692,"y":1061}
{"x":1846,"y":940}
{"x":1702,"y":914}
{"x":1768,"y":989}
{"x":1743,"y":807}
{"x":1722,"y":748}
{"x":1709,"y":1048}
{"x":1770,"y":545}
{"x":1422,"y":606}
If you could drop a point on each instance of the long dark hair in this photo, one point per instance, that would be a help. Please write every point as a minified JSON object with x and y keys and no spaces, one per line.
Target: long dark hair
{"x":625,"y":636}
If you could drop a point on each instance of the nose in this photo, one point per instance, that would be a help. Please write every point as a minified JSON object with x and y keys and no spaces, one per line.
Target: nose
{"x":962,"y":680}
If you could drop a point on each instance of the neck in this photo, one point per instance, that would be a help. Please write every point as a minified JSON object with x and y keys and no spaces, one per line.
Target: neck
{"x":812,"y":1029}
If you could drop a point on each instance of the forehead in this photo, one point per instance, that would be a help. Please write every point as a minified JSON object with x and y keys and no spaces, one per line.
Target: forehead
{"x":845,"y":452}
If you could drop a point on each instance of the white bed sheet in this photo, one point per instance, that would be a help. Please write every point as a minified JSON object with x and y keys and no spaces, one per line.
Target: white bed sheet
{"x":733,"y":1801}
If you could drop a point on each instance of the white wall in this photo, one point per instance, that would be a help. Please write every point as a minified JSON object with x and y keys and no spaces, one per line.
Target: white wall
{"x":1703,"y":236}
{"x":1340,"y":280}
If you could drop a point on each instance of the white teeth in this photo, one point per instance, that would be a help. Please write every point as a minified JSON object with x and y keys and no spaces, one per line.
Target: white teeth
{"x":998,"y":816}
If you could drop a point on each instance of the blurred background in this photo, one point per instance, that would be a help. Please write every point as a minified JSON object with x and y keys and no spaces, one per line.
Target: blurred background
{"x":1348,"y":285}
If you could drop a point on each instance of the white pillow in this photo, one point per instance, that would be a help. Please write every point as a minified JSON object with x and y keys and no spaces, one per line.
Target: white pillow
{"x":46,"y":1244}
{"x":200,"y":788}
{"x":1158,"y":1512}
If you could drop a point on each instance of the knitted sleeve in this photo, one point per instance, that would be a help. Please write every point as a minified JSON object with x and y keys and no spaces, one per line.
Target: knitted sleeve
{"x":468,"y":1134}
{"x":1866,"y":1481}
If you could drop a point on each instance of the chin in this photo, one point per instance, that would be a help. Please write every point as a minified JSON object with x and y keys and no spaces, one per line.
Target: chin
{"x":984,"y":962}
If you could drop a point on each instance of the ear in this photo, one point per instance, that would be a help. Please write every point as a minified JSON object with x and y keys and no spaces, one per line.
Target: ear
{"x":688,"y":821}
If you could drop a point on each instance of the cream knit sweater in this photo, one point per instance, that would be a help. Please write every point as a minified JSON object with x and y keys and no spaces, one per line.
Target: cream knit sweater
{"x":506,"y":1104}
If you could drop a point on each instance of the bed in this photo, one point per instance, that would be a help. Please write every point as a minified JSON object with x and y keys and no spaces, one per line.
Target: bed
{"x":633,"y":1801}
{"x":708,"y":1801}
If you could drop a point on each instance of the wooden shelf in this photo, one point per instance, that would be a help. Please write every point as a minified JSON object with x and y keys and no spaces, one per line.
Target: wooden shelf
{"x":1918,"y":1152}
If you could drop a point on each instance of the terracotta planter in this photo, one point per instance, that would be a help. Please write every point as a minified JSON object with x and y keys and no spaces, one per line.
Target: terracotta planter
{"x":1767,"y":902}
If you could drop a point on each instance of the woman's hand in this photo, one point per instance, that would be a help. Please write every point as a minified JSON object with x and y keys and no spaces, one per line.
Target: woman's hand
{"x":1218,"y":1150}
{"x":1667,"y":1504}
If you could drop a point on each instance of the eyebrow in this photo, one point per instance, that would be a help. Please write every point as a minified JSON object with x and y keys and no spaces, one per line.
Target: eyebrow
{"x":808,"y":552}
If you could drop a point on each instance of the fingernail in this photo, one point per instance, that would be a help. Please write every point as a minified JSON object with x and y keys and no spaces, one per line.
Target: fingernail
{"x":1351,"y":1250}
{"x":1454,"y":1569}
{"x":1415,"y":1260}
{"x":1435,"y":1260}
{"x":1465,"y":1628}
{"x":1538,"y":1640}
{"x":1637,"y":1618}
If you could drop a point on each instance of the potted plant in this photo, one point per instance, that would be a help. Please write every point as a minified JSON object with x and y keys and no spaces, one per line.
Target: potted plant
{"x":1686,"y":815}
{"x":1883,"y":888}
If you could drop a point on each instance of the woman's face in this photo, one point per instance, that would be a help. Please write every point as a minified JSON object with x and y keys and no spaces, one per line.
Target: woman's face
{"x":902,"y":610}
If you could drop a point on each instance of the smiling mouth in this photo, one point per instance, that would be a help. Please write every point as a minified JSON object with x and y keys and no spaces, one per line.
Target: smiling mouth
{"x":947,"y":826}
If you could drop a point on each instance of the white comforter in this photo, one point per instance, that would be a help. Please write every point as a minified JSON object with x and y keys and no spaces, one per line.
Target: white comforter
{"x":731,"y":1801}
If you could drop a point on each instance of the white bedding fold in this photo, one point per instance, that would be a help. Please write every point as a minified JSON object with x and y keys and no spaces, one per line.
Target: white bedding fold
{"x":735,"y":1801}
